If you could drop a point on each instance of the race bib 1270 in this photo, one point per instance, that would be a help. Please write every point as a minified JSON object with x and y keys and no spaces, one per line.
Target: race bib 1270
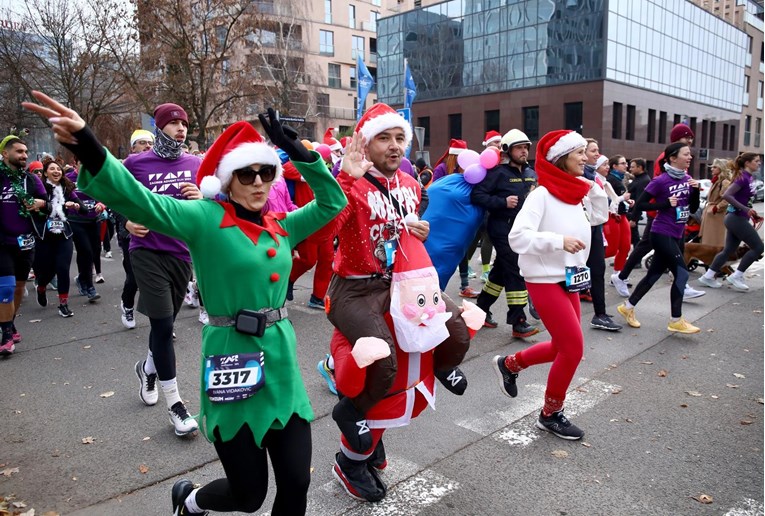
{"x":233,"y":377}
{"x":577,"y":278}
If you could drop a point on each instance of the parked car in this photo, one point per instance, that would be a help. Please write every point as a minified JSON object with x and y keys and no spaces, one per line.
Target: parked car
{"x":759,"y":196}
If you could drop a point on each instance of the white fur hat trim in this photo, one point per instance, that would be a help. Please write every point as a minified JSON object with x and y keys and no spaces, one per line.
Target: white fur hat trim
{"x":242,"y":156}
{"x":565,"y":144}
{"x":380,"y":123}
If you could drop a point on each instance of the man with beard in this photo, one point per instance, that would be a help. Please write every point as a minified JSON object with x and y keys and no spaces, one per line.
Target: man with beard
{"x":22,"y":196}
{"x":161,"y":264}
{"x":382,"y":206}
{"x":502,"y":193}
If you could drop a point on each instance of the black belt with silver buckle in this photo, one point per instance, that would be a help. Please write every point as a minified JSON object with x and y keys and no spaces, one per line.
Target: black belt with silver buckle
{"x":251,"y":322}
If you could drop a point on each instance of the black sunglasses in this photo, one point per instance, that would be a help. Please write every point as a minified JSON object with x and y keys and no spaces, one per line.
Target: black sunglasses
{"x":247,"y":175}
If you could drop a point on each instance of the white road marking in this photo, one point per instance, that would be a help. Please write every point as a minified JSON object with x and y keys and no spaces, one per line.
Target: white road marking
{"x":747,"y":507}
{"x":409,"y":491}
{"x":530,"y":396}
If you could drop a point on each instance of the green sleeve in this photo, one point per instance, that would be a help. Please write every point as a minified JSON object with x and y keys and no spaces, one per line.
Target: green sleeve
{"x":329,"y":200}
{"x":116,"y":187}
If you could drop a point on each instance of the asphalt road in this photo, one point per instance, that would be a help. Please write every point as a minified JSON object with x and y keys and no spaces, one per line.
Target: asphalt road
{"x":668,"y":419}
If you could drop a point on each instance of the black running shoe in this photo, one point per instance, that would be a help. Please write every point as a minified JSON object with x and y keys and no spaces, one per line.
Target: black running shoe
{"x":63,"y":311}
{"x":490,"y":322}
{"x":180,"y":492}
{"x":506,"y":377}
{"x":378,"y":460}
{"x":353,"y":425}
{"x":42,"y":299}
{"x":358,"y":480}
{"x":93,"y":296}
{"x":454,"y":380}
{"x":522,"y":330}
{"x":604,"y":322}
{"x":559,"y":425}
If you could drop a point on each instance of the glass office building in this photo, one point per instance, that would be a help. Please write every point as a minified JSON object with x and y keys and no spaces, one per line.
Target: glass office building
{"x":579,"y":64}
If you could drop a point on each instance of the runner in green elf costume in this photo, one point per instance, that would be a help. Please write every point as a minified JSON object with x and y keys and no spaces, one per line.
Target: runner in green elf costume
{"x":253,"y":399}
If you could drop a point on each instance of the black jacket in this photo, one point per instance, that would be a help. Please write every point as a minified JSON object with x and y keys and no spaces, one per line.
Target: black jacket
{"x":635,"y":189}
{"x":500,"y":182}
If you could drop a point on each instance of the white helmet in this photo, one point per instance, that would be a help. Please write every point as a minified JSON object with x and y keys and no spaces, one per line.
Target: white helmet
{"x":514,"y":137}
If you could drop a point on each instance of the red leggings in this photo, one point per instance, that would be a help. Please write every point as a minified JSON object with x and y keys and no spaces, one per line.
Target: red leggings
{"x":619,"y":237}
{"x":560,"y":312}
{"x":312,"y":253}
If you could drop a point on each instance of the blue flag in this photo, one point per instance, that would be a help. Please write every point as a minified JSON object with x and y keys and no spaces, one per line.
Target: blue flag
{"x":364,"y":83}
{"x":410,"y":88}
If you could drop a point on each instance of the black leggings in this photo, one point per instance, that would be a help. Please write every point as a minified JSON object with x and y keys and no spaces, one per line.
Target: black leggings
{"x":87,"y":242}
{"x":130,"y":287}
{"x":53,"y":256}
{"x":596,"y":261}
{"x":162,"y":347}
{"x":667,"y":254}
{"x":246,"y":466}
{"x":739,"y":229}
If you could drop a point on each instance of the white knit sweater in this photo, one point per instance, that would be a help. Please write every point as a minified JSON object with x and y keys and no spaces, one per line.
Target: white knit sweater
{"x":538,"y":231}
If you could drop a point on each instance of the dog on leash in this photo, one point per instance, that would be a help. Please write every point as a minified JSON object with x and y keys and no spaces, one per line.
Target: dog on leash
{"x":706,"y":254}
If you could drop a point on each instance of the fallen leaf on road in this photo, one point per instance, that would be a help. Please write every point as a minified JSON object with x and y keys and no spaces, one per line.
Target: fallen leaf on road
{"x":609,"y":338}
{"x":55,"y":453}
{"x":19,"y":505}
{"x":614,"y":420}
{"x":756,"y":311}
{"x":146,"y":438}
{"x":107,"y":394}
{"x":761,"y":401}
{"x":35,"y":320}
{"x":746,"y":422}
{"x":559,"y":454}
{"x":735,"y":304}
{"x":143,"y":468}
{"x":703,"y":498}
{"x":587,"y":445}
{"x":616,"y":390}
{"x":711,"y":330}
{"x":50,"y":513}
{"x":30,"y":512}
{"x":7,"y":472}
{"x":695,"y":394}
{"x":683,"y":405}
{"x":581,"y":389}
{"x":715,"y":397}
{"x":647,"y":363}
{"x":739,"y":375}
{"x":731,"y":385}
{"x":662,"y":373}
{"x":88,"y":440}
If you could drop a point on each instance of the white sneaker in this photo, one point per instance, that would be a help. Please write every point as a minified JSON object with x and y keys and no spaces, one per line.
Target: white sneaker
{"x":128,"y":317}
{"x":184,"y":424}
{"x":711,"y":283}
{"x":737,"y":283}
{"x":148,"y":391}
{"x":99,"y":278}
{"x":691,"y":293}
{"x":108,"y":254}
{"x":191,"y":298}
{"x":620,"y":285}
{"x":203,"y":317}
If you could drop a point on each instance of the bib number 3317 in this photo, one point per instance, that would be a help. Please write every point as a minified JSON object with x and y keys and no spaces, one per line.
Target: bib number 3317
{"x":233,"y":377}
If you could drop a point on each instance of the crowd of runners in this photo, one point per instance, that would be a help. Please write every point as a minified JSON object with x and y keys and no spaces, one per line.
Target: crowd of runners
{"x":232,"y":229}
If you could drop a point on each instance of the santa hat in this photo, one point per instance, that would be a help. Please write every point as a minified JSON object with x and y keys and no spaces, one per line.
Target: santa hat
{"x":331,"y":141}
{"x":381,"y":117}
{"x":491,"y":136}
{"x":455,"y":147}
{"x":344,"y":142}
{"x":600,"y":161}
{"x":239,"y":146}
{"x":559,"y":143}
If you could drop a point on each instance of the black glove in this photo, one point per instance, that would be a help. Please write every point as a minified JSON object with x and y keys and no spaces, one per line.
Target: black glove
{"x":285,"y":137}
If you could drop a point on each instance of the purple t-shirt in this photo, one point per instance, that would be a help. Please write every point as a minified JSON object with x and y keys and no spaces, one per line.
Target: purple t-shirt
{"x":87,"y":201}
{"x":162,"y":176}
{"x":11,"y":223}
{"x":743,"y":194}
{"x":670,"y":221}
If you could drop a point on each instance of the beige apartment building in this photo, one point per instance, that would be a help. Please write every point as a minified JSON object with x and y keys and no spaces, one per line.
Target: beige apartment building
{"x":747,"y":15}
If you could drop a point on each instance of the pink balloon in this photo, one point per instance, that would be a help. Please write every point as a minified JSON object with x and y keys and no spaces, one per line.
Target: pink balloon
{"x":489,"y":159}
{"x":474,"y":173}
{"x":467,"y":158}
{"x":324,"y":151}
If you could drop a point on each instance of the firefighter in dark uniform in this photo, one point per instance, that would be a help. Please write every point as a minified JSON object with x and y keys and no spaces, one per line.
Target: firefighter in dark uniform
{"x":502,"y":193}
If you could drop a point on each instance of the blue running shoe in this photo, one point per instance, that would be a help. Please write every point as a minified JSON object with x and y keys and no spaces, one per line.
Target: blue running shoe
{"x":327,"y":373}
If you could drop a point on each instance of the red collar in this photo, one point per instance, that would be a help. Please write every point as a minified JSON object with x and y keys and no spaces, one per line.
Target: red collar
{"x":251,"y":229}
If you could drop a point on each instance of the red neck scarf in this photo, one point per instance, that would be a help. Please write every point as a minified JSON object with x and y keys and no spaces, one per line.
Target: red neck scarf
{"x":561,"y":185}
{"x":251,"y":229}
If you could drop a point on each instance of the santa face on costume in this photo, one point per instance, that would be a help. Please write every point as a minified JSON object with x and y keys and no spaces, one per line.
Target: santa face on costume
{"x":418,"y":310}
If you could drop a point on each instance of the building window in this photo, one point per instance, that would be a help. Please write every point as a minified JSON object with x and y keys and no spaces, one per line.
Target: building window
{"x":573,"y":116}
{"x":424,"y":122}
{"x":725,"y":137}
{"x":455,"y":126}
{"x":759,"y":95}
{"x":662,"y":127}
{"x":677,"y":120}
{"x":712,"y":134}
{"x":693,"y":124}
{"x":531,"y":122}
{"x":732,"y":137}
{"x":322,"y":104}
{"x":225,"y":69}
{"x":746,"y":91}
{"x":357,"y":47}
{"x":651,"y":126}
{"x":326,"y":43}
{"x":491,"y":120}
{"x":757,"y":131}
{"x":333,"y":74}
{"x":352,"y":16}
{"x":327,"y":11}
{"x":352,"y":71}
{"x":372,"y":51}
{"x":747,"y":130}
{"x":373,"y":17}
{"x":704,"y":131}
{"x":616,"y":121}
{"x":630,"y":132}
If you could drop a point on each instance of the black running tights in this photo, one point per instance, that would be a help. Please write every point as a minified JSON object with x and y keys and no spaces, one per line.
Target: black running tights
{"x":162,"y":347}
{"x":246,"y":466}
{"x":667,"y":254}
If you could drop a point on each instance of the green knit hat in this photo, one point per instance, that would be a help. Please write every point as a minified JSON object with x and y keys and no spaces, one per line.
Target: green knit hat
{"x":5,"y":141}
